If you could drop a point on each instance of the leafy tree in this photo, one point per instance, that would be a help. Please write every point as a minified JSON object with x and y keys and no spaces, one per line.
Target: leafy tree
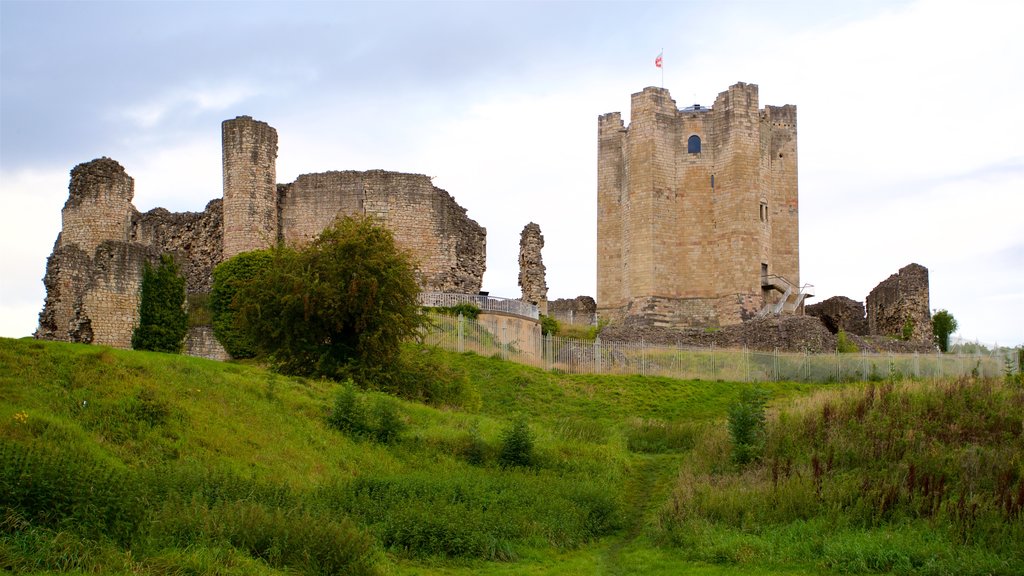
{"x":517,"y":445}
{"x":340,"y":307}
{"x":747,"y":425}
{"x":163,"y":322}
{"x":943,"y":325}
{"x":228,"y":277}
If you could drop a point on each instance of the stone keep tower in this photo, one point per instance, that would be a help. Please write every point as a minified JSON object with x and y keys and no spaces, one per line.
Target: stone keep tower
{"x":697,"y":219}
{"x":250,"y":185}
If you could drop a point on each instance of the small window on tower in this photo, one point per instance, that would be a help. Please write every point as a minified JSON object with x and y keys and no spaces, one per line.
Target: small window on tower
{"x":764,"y":211}
{"x":693,"y":144}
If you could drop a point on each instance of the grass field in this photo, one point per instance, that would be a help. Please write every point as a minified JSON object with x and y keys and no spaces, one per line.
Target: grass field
{"x":121,"y":462}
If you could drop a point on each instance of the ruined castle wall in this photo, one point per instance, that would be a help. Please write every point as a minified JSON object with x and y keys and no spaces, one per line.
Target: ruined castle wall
{"x":250,"y":185}
{"x":449,"y":247}
{"x":68,"y":270}
{"x":531,"y":267}
{"x":841,"y":313}
{"x":195,"y":238}
{"x":99,"y":205}
{"x":901,"y":298}
{"x":314,"y":201}
{"x":111,"y":300}
{"x":579,"y":310}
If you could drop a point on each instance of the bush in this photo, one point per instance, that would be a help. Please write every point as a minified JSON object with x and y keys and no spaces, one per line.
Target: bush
{"x":747,"y":425}
{"x":517,"y":445}
{"x":844,"y":345}
{"x":228,"y":277}
{"x":163,"y":322}
{"x":548,"y":325}
{"x":349,"y":413}
{"x":389,"y":423}
{"x":340,"y":307}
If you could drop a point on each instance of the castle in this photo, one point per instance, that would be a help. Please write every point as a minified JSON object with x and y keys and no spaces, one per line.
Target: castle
{"x":94,"y":275}
{"x":697,"y":211}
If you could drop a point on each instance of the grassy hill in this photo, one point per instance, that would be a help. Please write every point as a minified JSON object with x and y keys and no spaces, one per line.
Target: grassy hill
{"x":142,"y":463}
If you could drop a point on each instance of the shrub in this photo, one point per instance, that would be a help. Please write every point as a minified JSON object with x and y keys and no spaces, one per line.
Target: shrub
{"x":228,"y":277}
{"x":517,"y":445}
{"x":844,"y":345}
{"x":548,"y":325}
{"x":389,"y":423}
{"x":163,"y":322}
{"x":349,"y":413}
{"x":747,"y":425}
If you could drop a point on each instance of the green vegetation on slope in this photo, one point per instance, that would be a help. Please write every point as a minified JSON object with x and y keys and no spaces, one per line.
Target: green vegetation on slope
{"x":144,"y":463}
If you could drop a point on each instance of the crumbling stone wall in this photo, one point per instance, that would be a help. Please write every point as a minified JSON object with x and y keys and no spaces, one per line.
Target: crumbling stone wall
{"x":578,"y":310}
{"x":901,"y":299}
{"x":449,"y":247}
{"x":531,"y":267}
{"x":94,"y":274}
{"x":195,"y":238}
{"x":840,"y":313}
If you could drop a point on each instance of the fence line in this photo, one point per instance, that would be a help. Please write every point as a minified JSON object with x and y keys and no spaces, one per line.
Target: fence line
{"x":483,"y":302}
{"x":577,"y":356}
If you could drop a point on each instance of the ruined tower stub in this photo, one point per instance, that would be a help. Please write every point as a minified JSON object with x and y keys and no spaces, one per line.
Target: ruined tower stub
{"x":250,"y":185}
{"x":531,"y":267}
{"x":901,"y":301}
{"x":696,"y":207}
{"x":99,"y":205}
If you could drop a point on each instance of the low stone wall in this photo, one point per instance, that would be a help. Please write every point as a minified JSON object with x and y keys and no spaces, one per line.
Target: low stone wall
{"x":201,"y":342}
{"x":523,"y":334}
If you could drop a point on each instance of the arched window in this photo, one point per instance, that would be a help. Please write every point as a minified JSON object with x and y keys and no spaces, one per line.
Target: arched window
{"x":693,"y":145}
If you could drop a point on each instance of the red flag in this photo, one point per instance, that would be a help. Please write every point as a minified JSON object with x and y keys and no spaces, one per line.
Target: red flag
{"x":657,"y":61}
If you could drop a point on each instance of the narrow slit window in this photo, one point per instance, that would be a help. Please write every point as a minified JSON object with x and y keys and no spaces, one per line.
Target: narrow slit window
{"x":764,"y":211}
{"x":693,"y":144}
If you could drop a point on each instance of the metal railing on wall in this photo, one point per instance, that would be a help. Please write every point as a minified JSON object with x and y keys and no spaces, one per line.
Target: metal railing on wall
{"x":483,"y":302}
{"x":577,"y":356}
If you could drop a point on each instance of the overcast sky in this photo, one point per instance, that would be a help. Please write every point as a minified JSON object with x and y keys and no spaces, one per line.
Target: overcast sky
{"x":911,"y":134}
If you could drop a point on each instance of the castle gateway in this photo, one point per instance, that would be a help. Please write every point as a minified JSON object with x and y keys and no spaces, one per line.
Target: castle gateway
{"x":697,"y":211}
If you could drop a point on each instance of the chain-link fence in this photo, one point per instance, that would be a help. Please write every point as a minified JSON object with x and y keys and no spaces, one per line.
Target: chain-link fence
{"x":576,"y":356}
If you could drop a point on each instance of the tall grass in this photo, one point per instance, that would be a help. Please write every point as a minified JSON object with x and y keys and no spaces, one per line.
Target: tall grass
{"x":936,"y":466}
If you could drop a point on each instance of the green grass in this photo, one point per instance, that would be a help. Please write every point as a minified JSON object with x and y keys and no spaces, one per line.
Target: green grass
{"x":143,"y":463}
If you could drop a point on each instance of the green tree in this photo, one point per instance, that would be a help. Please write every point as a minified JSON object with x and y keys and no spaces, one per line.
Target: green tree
{"x":163,"y":322}
{"x":943,"y":325}
{"x":747,"y":425}
{"x":339,"y":307}
{"x":228,"y":277}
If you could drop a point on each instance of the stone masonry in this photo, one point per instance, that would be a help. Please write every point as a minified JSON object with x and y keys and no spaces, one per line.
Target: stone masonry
{"x":840,"y":313}
{"x":94,"y":275}
{"x":531,"y":267}
{"x":901,"y":300}
{"x":697,"y":207}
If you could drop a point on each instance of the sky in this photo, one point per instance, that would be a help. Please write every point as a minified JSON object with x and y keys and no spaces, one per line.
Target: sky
{"x":910,"y":133}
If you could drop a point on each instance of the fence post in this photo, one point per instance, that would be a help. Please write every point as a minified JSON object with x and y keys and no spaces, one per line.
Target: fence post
{"x":746,"y":364}
{"x":460,"y":340}
{"x":775,"y":364}
{"x":597,"y":355}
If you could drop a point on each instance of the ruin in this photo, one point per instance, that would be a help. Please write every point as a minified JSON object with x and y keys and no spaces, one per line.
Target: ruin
{"x":697,"y":219}
{"x":94,"y":274}
{"x":898,"y":306}
{"x":531,"y":267}
{"x":840,"y":313}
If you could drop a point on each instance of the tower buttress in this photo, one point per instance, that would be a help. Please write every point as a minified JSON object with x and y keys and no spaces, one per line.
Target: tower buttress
{"x":250,"y":187}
